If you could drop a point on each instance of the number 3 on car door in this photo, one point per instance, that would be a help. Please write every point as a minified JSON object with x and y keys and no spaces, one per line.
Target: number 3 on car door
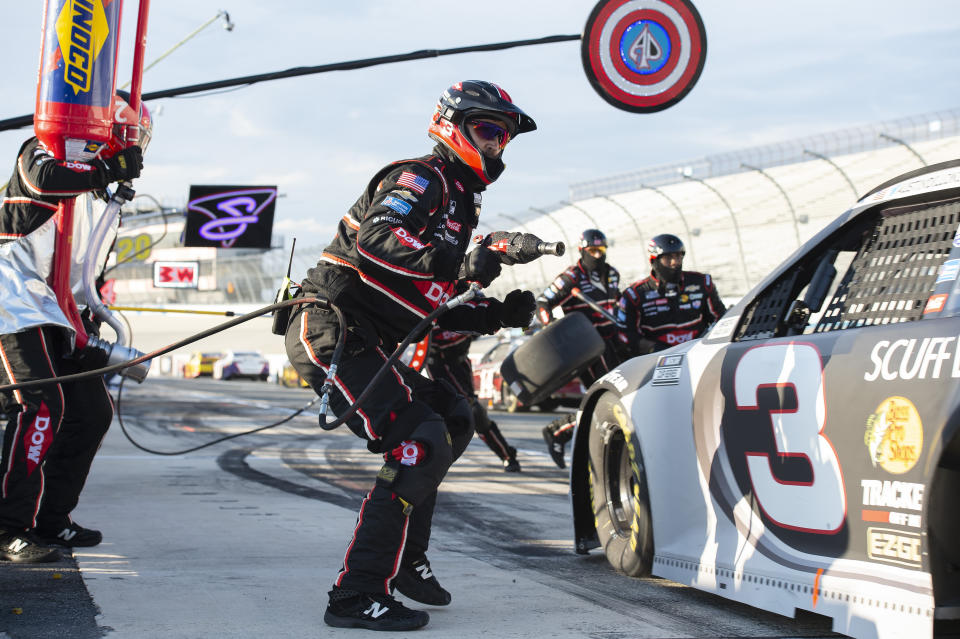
{"x":819,"y":505}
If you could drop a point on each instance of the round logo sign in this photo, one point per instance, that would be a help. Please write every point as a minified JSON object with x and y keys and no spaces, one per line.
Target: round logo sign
{"x":643,"y":55}
{"x":894,"y":435}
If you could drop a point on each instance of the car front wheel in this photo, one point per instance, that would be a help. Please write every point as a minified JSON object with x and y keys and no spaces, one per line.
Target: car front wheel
{"x":621,"y":503}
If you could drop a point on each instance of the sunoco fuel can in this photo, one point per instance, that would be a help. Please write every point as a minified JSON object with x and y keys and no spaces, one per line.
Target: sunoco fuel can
{"x":77,"y":75}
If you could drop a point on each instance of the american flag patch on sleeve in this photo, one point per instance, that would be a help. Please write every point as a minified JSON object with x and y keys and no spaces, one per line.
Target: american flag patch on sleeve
{"x":413,"y":181}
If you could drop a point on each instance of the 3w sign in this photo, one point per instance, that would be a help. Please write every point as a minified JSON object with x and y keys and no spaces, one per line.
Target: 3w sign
{"x":176,"y":274}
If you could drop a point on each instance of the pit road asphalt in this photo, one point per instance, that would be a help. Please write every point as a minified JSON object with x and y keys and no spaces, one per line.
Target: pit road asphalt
{"x":243,"y":539}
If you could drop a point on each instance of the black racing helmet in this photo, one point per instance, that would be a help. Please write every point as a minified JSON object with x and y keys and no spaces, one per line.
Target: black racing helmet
{"x":592,"y":237}
{"x":664,"y":243}
{"x":466,"y":101}
{"x":661,"y":245}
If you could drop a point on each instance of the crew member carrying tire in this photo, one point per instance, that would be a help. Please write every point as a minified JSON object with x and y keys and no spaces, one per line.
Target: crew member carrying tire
{"x":599,"y":282}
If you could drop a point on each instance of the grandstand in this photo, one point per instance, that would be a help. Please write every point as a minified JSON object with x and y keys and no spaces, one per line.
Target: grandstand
{"x":739,"y":214}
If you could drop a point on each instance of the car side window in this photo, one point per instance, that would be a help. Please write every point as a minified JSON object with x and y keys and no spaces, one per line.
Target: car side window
{"x":879,"y":269}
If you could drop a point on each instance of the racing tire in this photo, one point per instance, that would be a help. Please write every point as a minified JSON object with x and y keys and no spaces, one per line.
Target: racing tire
{"x":511,"y":403}
{"x":618,"y":482}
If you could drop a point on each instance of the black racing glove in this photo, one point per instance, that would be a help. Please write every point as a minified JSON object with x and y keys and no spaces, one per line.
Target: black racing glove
{"x":125,"y":165}
{"x":446,"y":265}
{"x":517,"y":309}
{"x":481,"y":265}
{"x":91,"y":358}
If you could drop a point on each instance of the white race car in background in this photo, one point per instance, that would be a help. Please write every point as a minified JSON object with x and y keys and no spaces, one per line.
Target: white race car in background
{"x":804,"y":454}
{"x":237,"y":364}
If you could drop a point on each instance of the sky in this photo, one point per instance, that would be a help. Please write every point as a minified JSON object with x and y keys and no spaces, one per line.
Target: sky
{"x":775,"y":70}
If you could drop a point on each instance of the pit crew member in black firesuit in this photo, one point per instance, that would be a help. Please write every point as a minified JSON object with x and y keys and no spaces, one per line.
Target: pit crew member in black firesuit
{"x":600,"y":283}
{"x":54,"y":431}
{"x":396,"y":256}
{"x":447,"y":359}
{"x":671,"y":306}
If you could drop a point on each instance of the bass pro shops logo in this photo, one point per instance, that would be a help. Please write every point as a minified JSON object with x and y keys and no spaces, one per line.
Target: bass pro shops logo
{"x":82,"y":30}
{"x":894,"y":435}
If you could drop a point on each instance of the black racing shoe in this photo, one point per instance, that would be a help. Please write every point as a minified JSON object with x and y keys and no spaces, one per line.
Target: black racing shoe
{"x":510,"y":464}
{"x":72,"y":535}
{"x":24,"y":548}
{"x":554,"y":445}
{"x":352,"y":609}
{"x":416,"y":581}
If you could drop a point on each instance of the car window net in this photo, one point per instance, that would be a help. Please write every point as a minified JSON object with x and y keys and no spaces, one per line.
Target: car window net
{"x":891,"y":276}
{"x":895,"y":270}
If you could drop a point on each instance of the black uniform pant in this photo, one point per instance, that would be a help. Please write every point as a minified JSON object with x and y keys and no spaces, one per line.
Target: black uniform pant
{"x":402,"y":421}
{"x":52,"y":432}
{"x":458,"y":371}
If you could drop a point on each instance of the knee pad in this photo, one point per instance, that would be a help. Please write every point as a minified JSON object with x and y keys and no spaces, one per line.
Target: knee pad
{"x":415,"y":467}
{"x":400,"y":425}
{"x":460,"y":424}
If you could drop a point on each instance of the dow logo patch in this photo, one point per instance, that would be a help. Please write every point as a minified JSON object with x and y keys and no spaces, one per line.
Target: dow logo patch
{"x":643,"y":55}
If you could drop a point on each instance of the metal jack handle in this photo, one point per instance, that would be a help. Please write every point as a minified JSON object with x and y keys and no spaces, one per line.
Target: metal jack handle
{"x":589,"y":302}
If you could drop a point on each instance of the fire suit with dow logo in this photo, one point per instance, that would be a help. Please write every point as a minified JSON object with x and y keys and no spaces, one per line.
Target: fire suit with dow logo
{"x":396,"y":256}
{"x":658,"y":315}
{"x":54,"y":431}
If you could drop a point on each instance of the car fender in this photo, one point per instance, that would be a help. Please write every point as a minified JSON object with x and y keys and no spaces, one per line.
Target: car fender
{"x":631,"y":381}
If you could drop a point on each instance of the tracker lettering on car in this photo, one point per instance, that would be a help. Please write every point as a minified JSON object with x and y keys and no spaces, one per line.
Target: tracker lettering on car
{"x":892,"y":494}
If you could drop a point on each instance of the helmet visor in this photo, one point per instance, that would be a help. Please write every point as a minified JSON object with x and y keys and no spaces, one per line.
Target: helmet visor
{"x":596,"y":251}
{"x":487,"y":131}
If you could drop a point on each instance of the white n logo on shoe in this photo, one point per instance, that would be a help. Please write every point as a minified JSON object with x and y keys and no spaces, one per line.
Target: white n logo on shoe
{"x":67,"y":534}
{"x":17,"y":545}
{"x":424,"y":570}
{"x":375,"y":610}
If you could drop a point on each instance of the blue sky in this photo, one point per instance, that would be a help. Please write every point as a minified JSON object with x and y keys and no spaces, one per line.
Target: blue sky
{"x":774,"y":70}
